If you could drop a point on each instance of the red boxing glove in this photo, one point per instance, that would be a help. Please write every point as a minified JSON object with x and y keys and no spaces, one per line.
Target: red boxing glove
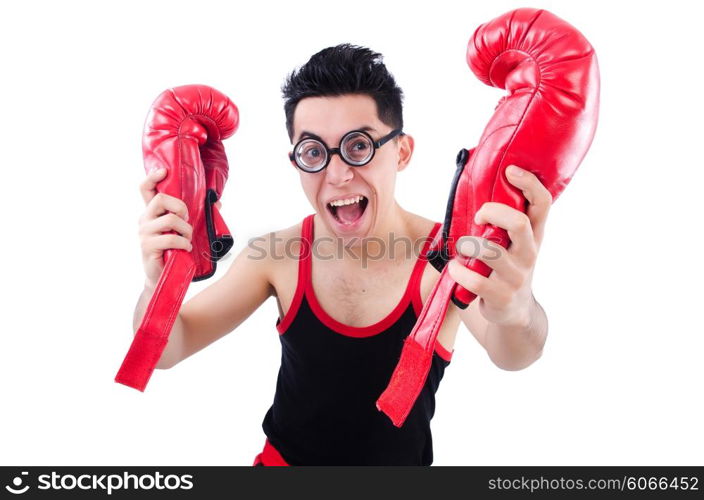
{"x":545,"y":125}
{"x":183,"y":133}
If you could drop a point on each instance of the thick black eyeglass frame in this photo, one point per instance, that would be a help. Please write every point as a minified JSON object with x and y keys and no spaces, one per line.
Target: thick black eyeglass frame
{"x":332,"y":151}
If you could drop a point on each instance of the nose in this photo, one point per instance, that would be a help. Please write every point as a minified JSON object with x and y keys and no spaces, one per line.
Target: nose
{"x":338,"y":172}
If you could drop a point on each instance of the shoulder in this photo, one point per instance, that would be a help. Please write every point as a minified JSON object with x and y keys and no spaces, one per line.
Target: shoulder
{"x":276,"y":246}
{"x":267,"y":258}
{"x":420,"y":228}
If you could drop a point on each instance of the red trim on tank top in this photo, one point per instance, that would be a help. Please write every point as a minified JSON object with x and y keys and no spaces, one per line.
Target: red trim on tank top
{"x":418,"y":300}
{"x":304,"y":287}
{"x":432,"y":242}
{"x":442,"y":352}
{"x":283,"y":324}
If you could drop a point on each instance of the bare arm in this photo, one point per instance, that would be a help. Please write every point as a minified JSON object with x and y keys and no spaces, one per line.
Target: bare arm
{"x":510,"y":347}
{"x":217,"y":309}
{"x":505,"y":317}
{"x":516,"y":347}
{"x":214,"y":311}
{"x":223,"y":306}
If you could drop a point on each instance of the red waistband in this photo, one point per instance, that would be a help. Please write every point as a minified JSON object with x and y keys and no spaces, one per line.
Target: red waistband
{"x":269,"y":456}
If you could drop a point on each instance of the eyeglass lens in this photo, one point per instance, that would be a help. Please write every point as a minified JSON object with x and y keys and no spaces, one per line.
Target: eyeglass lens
{"x":356,"y":148}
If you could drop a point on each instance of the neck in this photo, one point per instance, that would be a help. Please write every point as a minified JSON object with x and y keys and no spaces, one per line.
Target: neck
{"x":391,"y":227}
{"x":394,"y":221}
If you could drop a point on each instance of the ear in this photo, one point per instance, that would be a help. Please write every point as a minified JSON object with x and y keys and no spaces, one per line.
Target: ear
{"x":293,"y":163}
{"x":405,"y":151}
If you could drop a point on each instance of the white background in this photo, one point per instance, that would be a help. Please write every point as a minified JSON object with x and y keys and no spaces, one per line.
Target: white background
{"x":620,"y":271}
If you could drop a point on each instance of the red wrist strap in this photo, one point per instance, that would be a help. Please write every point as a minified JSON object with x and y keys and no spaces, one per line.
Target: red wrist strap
{"x":153,"y":334}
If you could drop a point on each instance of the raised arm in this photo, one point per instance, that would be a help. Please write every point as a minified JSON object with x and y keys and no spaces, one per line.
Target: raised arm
{"x":224,"y":305}
{"x":216,"y":310}
{"x":507,"y":320}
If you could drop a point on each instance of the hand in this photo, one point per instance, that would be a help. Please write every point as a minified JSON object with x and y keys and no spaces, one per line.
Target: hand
{"x":505,"y":296}
{"x":163,"y":213}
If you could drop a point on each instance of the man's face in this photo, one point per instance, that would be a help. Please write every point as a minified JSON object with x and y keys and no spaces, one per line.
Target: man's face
{"x":330,"y":118}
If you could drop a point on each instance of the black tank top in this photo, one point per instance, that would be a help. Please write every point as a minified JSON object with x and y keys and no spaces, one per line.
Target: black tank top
{"x":331,"y":374}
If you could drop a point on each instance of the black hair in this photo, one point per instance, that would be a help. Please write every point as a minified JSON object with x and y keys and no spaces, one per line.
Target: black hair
{"x":345,"y":69}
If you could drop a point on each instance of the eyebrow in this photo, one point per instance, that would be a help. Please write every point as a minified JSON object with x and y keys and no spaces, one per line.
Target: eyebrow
{"x":305,"y":133}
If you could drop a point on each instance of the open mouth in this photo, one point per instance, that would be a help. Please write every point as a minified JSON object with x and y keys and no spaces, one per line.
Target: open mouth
{"x":349,"y":210}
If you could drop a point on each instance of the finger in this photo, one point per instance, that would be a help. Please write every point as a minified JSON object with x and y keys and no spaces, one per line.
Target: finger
{"x":493,"y":291}
{"x":493,"y":255}
{"x":167,"y":242}
{"x":516,"y":224}
{"x":165,"y":223}
{"x":218,"y":204}
{"x":162,"y":203}
{"x":148,"y":186}
{"x":538,"y":197}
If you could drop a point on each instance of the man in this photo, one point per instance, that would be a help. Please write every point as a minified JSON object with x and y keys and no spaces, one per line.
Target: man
{"x":344,"y":314}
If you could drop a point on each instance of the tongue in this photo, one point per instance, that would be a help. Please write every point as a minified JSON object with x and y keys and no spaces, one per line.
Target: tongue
{"x":349,"y":213}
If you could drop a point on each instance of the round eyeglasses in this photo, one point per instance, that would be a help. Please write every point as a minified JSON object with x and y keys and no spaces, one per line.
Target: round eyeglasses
{"x":357,"y":148}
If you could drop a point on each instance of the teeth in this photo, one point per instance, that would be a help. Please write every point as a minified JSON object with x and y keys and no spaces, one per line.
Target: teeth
{"x":346,"y":201}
